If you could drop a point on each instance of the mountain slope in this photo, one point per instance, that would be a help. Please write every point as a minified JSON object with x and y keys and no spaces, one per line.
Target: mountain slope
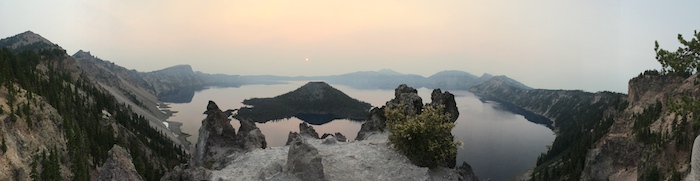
{"x":646,"y":135}
{"x":652,"y":139}
{"x":579,"y":117}
{"x":58,"y":123}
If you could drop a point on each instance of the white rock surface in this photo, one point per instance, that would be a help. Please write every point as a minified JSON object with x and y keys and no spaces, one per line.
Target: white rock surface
{"x":371,"y":159}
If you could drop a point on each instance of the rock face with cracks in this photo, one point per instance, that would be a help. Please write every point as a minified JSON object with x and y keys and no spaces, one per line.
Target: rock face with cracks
{"x":217,"y":139}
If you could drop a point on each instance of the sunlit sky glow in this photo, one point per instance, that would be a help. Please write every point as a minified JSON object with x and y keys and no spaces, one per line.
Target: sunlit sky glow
{"x":588,"y":45}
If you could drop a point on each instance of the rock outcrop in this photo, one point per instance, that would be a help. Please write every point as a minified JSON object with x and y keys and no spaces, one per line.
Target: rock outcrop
{"x":375,"y":123}
{"x":447,"y":100}
{"x":466,"y":173}
{"x":291,"y":137}
{"x":337,"y":136}
{"x":184,"y":173}
{"x":307,"y":130}
{"x":217,"y":139}
{"x":304,"y":161}
{"x":119,"y":166}
{"x":250,"y":137}
{"x":406,"y":98}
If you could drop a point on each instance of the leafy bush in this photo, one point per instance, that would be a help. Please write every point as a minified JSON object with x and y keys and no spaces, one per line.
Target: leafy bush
{"x":426,"y":138}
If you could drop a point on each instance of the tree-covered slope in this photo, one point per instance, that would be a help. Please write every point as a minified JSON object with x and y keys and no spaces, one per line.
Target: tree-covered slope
{"x":312,"y":98}
{"x":89,"y":119}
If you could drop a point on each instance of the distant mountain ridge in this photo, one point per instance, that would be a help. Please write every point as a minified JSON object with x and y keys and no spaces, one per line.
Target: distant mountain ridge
{"x":28,"y":40}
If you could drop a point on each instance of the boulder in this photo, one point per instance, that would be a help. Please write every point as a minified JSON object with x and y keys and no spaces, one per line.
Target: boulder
{"x":330,"y":140}
{"x":304,"y":161}
{"x":375,"y":123}
{"x":184,"y":173}
{"x":340,"y":137}
{"x":119,"y":166}
{"x":446,"y":99}
{"x":292,"y":136}
{"x":250,"y":137}
{"x":307,"y":130}
{"x":466,"y":173}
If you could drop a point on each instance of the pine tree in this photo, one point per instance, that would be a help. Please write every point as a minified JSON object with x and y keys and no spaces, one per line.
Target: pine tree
{"x":4,"y":146}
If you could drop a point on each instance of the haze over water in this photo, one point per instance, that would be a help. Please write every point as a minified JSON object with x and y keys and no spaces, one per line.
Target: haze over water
{"x":497,"y":144}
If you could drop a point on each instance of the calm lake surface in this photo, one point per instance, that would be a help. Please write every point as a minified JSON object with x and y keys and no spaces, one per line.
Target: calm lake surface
{"x":497,"y":144}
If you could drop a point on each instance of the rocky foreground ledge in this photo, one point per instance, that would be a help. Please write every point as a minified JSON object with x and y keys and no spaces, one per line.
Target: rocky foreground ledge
{"x":223,"y":154}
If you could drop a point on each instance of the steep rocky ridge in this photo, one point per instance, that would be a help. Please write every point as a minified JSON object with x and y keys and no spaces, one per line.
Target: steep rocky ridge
{"x":129,"y":88}
{"x":653,"y":137}
{"x":645,"y":135}
{"x":58,"y":124}
{"x":577,"y":117}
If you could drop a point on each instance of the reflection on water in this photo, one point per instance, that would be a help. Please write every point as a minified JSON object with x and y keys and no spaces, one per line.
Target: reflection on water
{"x":497,"y":144}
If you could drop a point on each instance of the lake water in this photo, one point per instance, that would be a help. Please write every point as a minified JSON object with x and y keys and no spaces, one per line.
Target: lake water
{"x":497,"y":144}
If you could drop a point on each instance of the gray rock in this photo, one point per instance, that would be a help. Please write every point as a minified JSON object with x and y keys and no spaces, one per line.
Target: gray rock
{"x":330,"y":140}
{"x":307,"y":130}
{"x":187,"y":174}
{"x":119,"y":166}
{"x":340,"y":137}
{"x":292,"y":136}
{"x":304,"y":161}
{"x":375,"y":123}
{"x":217,"y":139}
{"x":466,"y":173}
{"x":446,"y":99}
{"x":250,"y":136}
{"x":406,"y":99}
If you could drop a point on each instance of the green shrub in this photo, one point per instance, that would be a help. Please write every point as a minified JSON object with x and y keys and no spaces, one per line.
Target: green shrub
{"x":426,"y":139}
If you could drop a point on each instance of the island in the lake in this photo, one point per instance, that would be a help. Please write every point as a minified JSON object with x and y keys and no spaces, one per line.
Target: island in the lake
{"x":315,"y":103}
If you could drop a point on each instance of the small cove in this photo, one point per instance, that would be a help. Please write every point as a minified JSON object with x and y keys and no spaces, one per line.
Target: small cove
{"x":497,"y":144}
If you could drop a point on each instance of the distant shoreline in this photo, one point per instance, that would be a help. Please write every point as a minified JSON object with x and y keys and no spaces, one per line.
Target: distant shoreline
{"x":174,"y":126}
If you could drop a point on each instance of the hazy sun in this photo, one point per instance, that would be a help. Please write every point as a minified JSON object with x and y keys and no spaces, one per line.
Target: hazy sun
{"x":307,"y":59}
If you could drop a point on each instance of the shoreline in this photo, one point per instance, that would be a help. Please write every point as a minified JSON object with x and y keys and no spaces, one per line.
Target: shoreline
{"x":174,"y":126}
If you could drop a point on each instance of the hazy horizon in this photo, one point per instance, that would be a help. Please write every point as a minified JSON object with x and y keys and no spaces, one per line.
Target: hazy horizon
{"x":590,"y":45}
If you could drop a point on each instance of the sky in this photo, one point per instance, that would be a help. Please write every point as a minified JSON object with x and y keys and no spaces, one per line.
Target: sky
{"x":587,"y":45}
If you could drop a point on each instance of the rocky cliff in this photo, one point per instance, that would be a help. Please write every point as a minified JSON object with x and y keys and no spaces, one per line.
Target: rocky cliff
{"x":576,"y":116}
{"x":652,"y":139}
{"x":645,"y":135}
